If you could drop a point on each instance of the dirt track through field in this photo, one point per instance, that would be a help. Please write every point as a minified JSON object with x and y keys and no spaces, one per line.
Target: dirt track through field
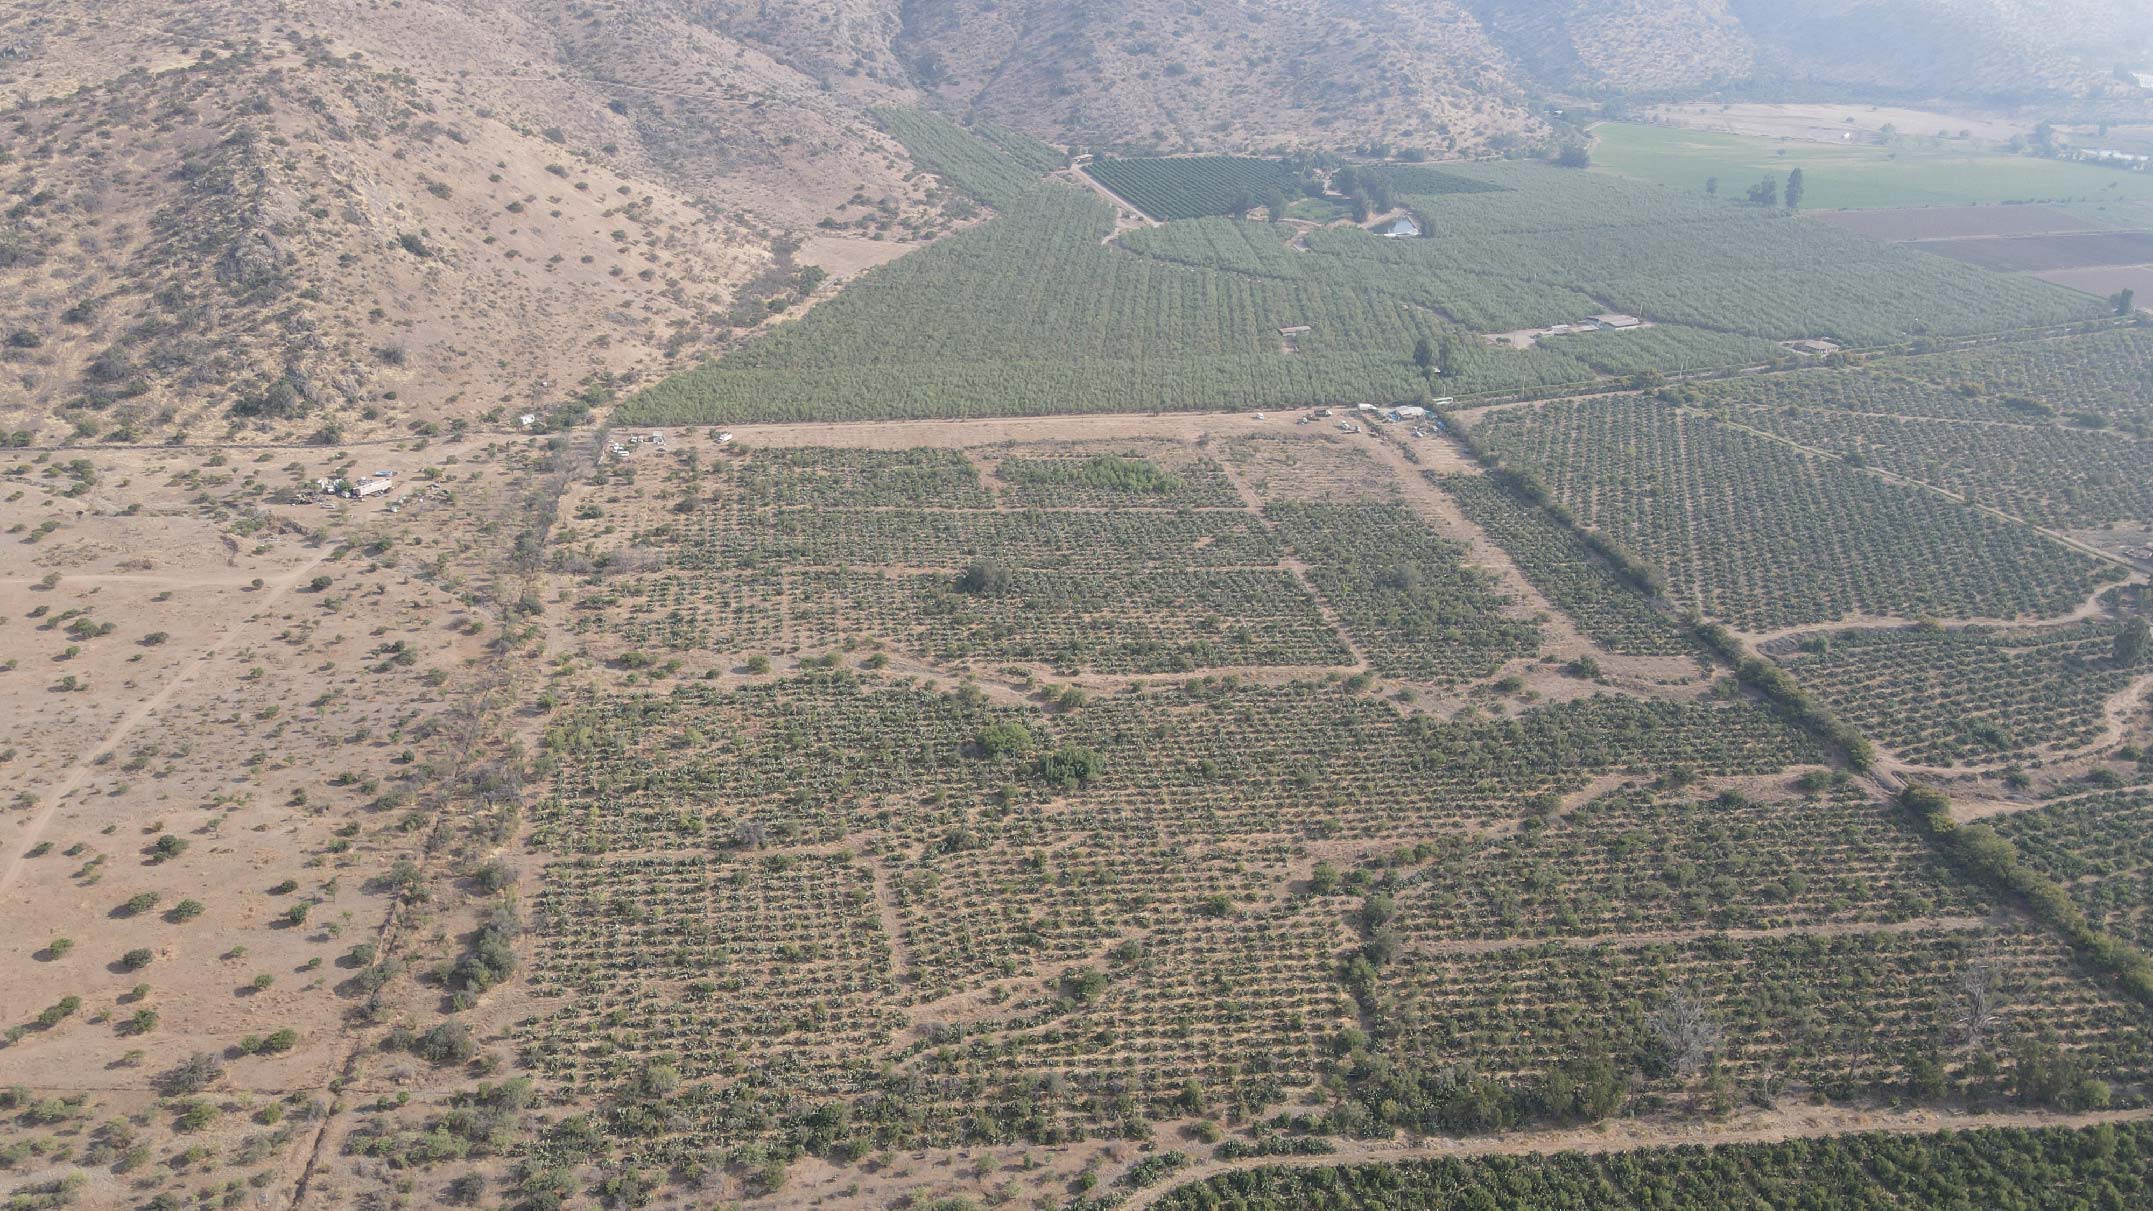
{"x":1766,"y":1127}
{"x":1294,"y":564}
{"x":128,"y":722}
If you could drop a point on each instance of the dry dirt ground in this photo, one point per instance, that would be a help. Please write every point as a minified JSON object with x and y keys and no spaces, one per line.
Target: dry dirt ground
{"x":204,"y":799}
{"x":1824,"y":123}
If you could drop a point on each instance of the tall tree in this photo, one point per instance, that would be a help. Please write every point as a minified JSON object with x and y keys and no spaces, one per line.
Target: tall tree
{"x":2131,"y":642}
{"x":2125,"y":300}
{"x":1711,"y":187}
{"x":1451,"y":360}
{"x":1794,"y":190}
{"x":1424,"y":355}
{"x":1765,"y":192}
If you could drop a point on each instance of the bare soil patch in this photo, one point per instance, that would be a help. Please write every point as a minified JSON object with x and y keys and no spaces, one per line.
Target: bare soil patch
{"x":2074,"y":250}
{"x":2106,"y":280}
{"x":1953,"y":222}
{"x":1830,"y":123}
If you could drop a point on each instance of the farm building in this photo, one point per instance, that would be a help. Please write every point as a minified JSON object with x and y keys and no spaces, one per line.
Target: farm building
{"x":373,"y":487}
{"x":1402,"y":228}
{"x":1814,"y":347}
{"x":1618,"y":320}
{"x":1407,"y":412}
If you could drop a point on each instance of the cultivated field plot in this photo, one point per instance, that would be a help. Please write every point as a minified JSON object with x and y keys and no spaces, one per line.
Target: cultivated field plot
{"x":1406,"y":598}
{"x":1043,"y":310}
{"x":1159,"y":477}
{"x":2074,"y":250}
{"x":1558,"y":563}
{"x":991,"y":163}
{"x":2088,"y":382}
{"x":1834,"y":1011}
{"x":802,"y":760}
{"x":1419,"y":180}
{"x":2050,"y":473}
{"x":1954,"y":222}
{"x":2100,"y":847}
{"x":1147,"y":622}
{"x":1243,"y":1008}
{"x":1967,"y":695}
{"x":980,"y":907}
{"x":1148,"y":560}
{"x":1065,"y":781}
{"x":1763,"y":536}
{"x":1190,"y":187}
{"x":1640,"y":861}
{"x":1856,"y":175}
{"x":724,"y":962}
{"x":818,"y":758}
{"x":1121,"y":866}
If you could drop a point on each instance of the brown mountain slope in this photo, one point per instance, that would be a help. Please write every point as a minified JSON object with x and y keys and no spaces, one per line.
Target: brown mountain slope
{"x":369,"y":218}
{"x":1176,"y":76}
{"x":1644,"y":46}
{"x":2006,"y":49}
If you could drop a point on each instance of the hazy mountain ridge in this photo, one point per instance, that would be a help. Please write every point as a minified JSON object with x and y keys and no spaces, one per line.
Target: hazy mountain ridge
{"x":1966,"y":49}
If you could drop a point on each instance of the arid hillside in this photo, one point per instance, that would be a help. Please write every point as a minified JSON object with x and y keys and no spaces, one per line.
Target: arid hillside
{"x":241,"y":219}
{"x":1176,"y":76}
{"x":339,"y":219}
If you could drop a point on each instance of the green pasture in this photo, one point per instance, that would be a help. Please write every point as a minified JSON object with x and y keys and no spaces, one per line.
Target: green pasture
{"x":1913,"y":172}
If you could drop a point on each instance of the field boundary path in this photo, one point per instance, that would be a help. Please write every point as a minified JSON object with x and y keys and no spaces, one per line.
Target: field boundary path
{"x":1293,"y":563}
{"x":1771,"y":1127}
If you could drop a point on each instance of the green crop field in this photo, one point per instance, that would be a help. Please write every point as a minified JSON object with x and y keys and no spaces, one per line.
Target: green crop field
{"x":1193,"y":186}
{"x":1913,"y":172}
{"x":1039,"y":311}
{"x":992,"y":163}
